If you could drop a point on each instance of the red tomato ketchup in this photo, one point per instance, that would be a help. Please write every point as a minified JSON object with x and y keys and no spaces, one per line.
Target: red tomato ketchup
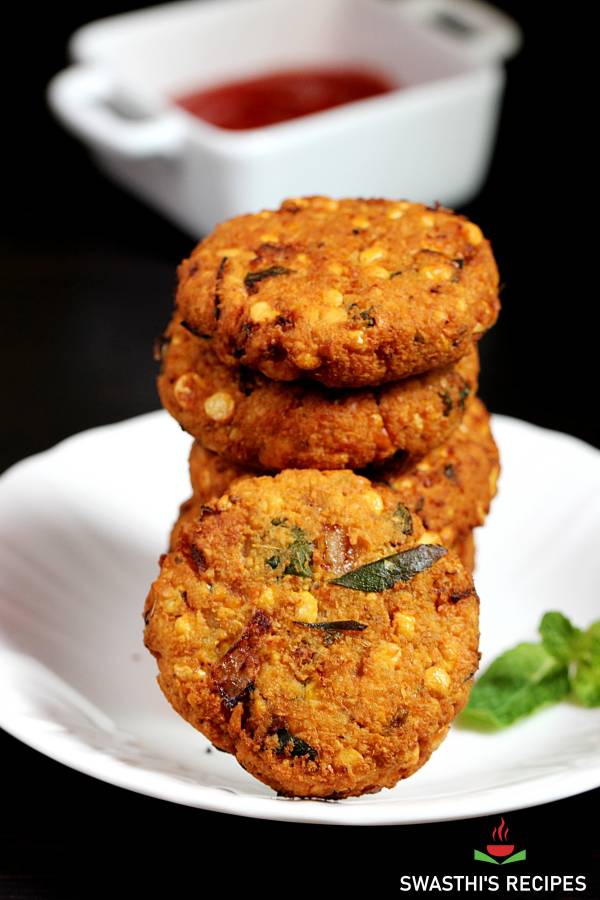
{"x":279,"y":96}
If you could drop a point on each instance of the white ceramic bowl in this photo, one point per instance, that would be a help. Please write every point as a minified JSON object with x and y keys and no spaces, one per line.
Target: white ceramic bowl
{"x":430,"y":140}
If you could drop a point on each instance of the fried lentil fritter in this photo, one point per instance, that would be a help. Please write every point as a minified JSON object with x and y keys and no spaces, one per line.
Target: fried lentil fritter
{"x":466,"y":551}
{"x":453,"y":486}
{"x":301,"y":624}
{"x":350,"y":293}
{"x":270,"y":425}
{"x":463,"y":546}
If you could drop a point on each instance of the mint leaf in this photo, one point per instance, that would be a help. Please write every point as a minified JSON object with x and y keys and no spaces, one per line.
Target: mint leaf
{"x":586,"y":684}
{"x":586,"y":681}
{"x":518,"y":682}
{"x":588,"y":645}
{"x":559,"y":637}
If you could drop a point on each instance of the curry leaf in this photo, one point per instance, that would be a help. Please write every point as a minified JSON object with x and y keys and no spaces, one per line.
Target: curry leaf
{"x":298,"y":746}
{"x":299,"y":555}
{"x":384,"y":573}
{"x":253,"y":277}
{"x":344,"y":625}
{"x":463,"y":395}
{"x":404,"y":519}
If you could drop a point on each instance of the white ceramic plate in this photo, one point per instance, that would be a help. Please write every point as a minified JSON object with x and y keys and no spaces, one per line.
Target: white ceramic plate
{"x":81,"y":527}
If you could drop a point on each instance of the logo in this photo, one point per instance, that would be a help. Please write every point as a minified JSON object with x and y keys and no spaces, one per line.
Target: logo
{"x":500,"y":852}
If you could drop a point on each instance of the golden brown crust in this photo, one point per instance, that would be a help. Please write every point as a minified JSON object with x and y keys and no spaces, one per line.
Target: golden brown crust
{"x":240,"y":621}
{"x":270,"y":425}
{"x":463,"y":545}
{"x":466,"y":551}
{"x":453,"y":486}
{"x":349,"y":293}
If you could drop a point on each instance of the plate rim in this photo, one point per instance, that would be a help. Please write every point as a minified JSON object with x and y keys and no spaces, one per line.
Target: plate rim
{"x":365,"y":811}
{"x":311,"y":812}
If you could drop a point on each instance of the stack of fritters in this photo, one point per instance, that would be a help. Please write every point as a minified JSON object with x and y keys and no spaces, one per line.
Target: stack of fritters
{"x":322,"y":625}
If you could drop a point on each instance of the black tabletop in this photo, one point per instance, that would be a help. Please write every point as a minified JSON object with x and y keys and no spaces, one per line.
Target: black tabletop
{"x":88,"y":276}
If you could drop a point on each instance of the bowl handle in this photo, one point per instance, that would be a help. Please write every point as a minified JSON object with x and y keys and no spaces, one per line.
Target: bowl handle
{"x":80,"y":97}
{"x":484,"y":33}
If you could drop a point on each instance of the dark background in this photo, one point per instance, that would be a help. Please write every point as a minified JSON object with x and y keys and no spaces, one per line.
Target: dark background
{"x":88,"y":277}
